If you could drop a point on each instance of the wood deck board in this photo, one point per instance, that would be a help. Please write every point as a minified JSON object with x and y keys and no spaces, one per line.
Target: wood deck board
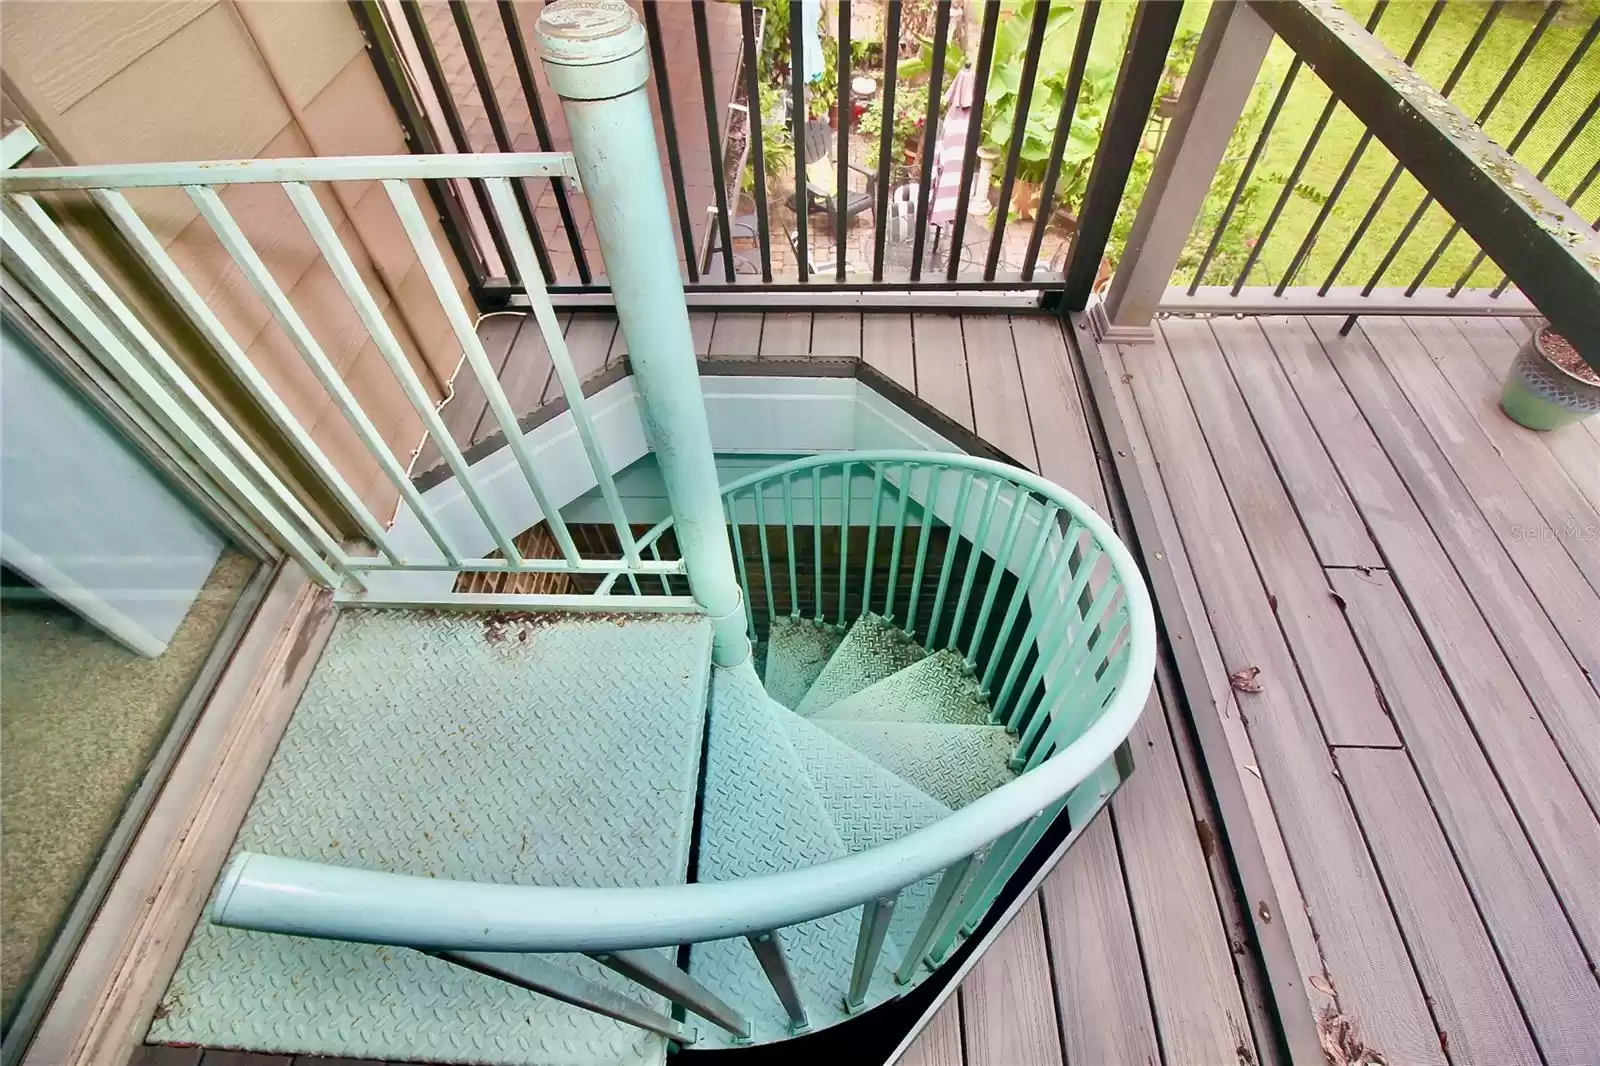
{"x":1535,"y":940}
{"x":1565,"y":699}
{"x":1364,"y":956}
{"x":886,"y":347}
{"x":785,"y":336}
{"x":1103,"y":1003}
{"x":1325,"y":508}
{"x":1505,"y":720}
{"x":463,"y":410}
{"x":1318,"y":639}
{"x":1478,"y":1017}
{"x":999,"y":405}
{"x":942,"y":367}
{"x":588,"y":340}
{"x":940,"y":1043}
{"x":736,"y":336}
{"x":1527,"y":537}
{"x":836,"y":335}
{"x":1007,"y":1014}
{"x":526,"y":377}
{"x":1275,"y":908}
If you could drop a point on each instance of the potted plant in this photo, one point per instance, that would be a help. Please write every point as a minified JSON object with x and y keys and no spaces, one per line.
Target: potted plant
{"x":1550,"y":385}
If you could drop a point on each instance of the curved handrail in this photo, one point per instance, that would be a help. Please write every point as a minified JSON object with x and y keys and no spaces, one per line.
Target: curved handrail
{"x":317,"y":899}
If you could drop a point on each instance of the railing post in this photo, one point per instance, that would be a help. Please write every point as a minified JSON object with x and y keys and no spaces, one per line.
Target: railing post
{"x":594,"y":53}
{"x":1216,"y":91}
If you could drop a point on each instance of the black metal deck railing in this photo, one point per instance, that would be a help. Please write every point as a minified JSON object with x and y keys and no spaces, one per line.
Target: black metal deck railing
{"x":826,"y":162}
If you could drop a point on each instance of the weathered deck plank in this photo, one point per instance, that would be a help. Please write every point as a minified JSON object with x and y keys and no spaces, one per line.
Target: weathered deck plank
{"x":1478,"y":1016}
{"x":1365,"y":958}
{"x":999,"y":405}
{"x":836,"y":335}
{"x":940,"y":1043}
{"x":735,"y":336}
{"x":1526,"y":759}
{"x":588,"y":343}
{"x":942,"y":367}
{"x":1007,"y":1012}
{"x":786,"y":336}
{"x":1103,"y":1003}
{"x":1525,"y":920}
{"x":887,"y":348}
{"x":1325,"y":508}
{"x":1509,"y":513}
{"x":1318,"y":639}
{"x":1564,"y":697}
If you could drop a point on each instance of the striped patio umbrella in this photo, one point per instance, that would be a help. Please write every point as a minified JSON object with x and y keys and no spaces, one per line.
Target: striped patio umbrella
{"x":952,"y":145}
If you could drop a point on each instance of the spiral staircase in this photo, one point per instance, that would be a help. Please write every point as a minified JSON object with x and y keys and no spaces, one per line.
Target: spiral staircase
{"x":566,"y":839}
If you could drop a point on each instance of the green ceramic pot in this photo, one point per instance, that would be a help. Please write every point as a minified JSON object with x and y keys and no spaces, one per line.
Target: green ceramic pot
{"x":1540,"y":395}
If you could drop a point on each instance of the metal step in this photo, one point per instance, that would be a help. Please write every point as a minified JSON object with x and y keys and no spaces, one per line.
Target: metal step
{"x":796,"y":651}
{"x":468,"y":746}
{"x":936,"y":691}
{"x":873,"y":650}
{"x":955,"y":764}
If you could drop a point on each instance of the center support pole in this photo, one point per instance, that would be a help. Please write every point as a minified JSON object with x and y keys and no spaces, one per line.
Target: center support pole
{"x":594,"y":55}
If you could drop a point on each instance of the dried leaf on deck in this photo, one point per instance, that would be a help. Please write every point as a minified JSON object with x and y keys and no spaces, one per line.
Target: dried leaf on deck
{"x":1341,"y":1044}
{"x":1245,"y":680}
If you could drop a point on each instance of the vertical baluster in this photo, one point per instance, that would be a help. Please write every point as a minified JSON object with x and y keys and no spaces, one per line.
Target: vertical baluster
{"x":415,"y":225}
{"x":730,"y":505}
{"x":872,"y":538}
{"x":1075,"y":711}
{"x":875,"y":918}
{"x":1030,"y":70}
{"x":886,"y":146}
{"x":797,"y":135}
{"x":1072,"y":658}
{"x":816,"y":538}
{"x":127,"y":369}
{"x":952,"y":886}
{"x":383,"y":338}
{"x":64,"y":298}
{"x":655,"y":971}
{"x":266,"y":288}
{"x":1059,"y":626}
{"x":788,"y":532}
{"x":655,"y":554}
{"x":969,"y":154}
{"x":1021,"y":501}
{"x":154,"y":256}
{"x":991,"y":497}
{"x":844,"y":538}
{"x":760,"y":493}
{"x":1030,"y":567}
{"x":841,"y":180}
{"x":899,"y":536}
{"x":1003,"y":862}
{"x":924,"y":534}
{"x":669,"y":135}
{"x":930,"y":135}
{"x":769,"y":953}
{"x":1087,"y":19}
{"x":958,"y":520}
{"x":1045,"y":614}
{"x":758,"y":160}
{"x":708,"y":95}
{"x":561,"y":360}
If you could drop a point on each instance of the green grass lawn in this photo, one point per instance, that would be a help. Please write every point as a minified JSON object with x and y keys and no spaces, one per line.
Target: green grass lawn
{"x":1398,"y":29}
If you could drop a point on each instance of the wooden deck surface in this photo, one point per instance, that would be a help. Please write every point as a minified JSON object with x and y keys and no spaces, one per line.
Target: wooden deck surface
{"x":1417,"y":581}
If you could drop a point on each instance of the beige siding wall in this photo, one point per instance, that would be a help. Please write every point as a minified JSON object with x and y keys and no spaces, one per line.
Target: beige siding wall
{"x":137,"y":81}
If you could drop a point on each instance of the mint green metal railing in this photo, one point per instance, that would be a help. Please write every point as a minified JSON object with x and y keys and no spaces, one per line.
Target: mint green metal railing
{"x":1060,"y":633}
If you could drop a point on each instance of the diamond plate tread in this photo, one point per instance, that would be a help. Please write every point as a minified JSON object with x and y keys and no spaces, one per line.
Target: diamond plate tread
{"x":937,"y":690}
{"x":873,"y":650}
{"x":955,"y":764}
{"x":761,"y":814}
{"x":513,"y":749}
{"x":869,"y":806}
{"x":797,"y":650}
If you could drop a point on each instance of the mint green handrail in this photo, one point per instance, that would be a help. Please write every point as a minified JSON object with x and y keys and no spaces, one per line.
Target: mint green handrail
{"x":315,"y":899}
